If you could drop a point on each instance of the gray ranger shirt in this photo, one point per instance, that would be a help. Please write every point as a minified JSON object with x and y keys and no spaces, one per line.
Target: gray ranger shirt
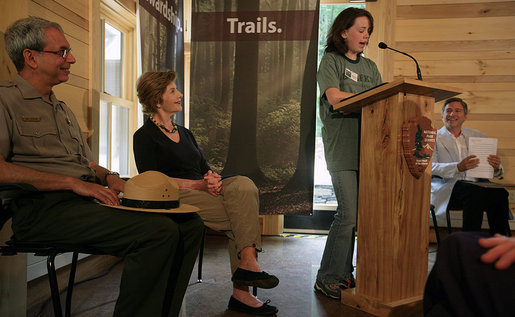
{"x":40,"y":134}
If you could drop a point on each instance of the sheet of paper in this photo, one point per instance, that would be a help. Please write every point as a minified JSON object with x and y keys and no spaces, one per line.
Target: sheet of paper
{"x":482,"y":147}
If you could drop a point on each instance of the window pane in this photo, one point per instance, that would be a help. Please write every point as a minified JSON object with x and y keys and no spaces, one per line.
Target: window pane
{"x":120,"y":139}
{"x":113,"y":61}
{"x":103,"y":135}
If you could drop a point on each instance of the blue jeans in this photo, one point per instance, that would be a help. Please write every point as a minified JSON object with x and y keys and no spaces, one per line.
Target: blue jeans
{"x":336,"y":262}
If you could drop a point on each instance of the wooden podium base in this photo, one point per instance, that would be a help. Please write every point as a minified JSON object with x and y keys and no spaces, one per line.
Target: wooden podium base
{"x":406,"y":307}
{"x":393,"y":204}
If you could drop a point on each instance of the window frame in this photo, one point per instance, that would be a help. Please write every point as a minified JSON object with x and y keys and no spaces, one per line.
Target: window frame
{"x":125,"y":21}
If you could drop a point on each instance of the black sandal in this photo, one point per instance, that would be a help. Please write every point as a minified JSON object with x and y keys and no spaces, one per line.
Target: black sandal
{"x":264,"y":310}
{"x":243,"y":277}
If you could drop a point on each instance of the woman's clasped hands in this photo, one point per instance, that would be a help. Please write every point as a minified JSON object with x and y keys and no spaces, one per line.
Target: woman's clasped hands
{"x":213,"y":183}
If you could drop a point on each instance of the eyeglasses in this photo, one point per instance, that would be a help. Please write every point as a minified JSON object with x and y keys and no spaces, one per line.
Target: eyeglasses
{"x":62,"y":52}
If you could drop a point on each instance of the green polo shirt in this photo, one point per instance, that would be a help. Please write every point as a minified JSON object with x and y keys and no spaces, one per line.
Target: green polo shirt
{"x":341,"y":133}
{"x":40,"y":134}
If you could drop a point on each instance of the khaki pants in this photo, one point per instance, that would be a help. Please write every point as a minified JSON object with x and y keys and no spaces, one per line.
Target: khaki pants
{"x":234,"y":212}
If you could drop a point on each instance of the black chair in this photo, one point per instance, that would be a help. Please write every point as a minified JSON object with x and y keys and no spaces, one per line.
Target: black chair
{"x":9,"y":192}
{"x":448,"y":216}
{"x":201,"y":258}
{"x":435,"y":224}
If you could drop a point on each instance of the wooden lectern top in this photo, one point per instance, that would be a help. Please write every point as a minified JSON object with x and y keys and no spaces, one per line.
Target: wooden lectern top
{"x":406,"y":85}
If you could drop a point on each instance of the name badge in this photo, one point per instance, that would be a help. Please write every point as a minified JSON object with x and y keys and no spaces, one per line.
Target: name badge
{"x":31,"y":118}
{"x":350,"y":74}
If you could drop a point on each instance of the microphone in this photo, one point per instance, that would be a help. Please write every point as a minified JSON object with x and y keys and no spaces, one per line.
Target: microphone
{"x":383,"y":46}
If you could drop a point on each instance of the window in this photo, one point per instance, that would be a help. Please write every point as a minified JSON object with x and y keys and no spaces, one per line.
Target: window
{"x":112,"y":60}
{"x":118,"y":108}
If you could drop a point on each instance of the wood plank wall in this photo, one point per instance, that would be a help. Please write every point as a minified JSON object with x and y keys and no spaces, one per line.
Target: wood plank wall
{"x":468,"y":44}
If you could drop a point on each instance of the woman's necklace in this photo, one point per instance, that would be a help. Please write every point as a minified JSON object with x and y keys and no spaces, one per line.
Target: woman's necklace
{"x":162,"y":126}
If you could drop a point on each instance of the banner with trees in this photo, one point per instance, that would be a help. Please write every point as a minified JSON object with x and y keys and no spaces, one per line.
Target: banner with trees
{"x":253,"y":95}
{"x":162,"y":39}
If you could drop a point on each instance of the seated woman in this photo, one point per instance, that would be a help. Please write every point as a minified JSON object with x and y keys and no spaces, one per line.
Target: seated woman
{"x":230,"y":206}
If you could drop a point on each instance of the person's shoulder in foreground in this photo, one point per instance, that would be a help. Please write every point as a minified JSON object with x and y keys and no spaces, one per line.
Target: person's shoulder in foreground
{"x":472,"y":276}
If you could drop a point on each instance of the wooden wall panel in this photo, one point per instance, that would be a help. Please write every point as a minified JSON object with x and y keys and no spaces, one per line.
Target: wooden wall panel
{"x":11,"y":11}
{"x":455,"y":29}
{"x":81,"y":53}
{"x":504,"y":130}
{"x":490,"y":102}
{"x":509,"y":164}
{"x":382,"y":33}
{"x":472,"y":117}
{"x":421,"y":46}
{"x":471,"y":79}
{"x":74,"y":11}
{"x":78,"y":7}
{"x":7,"y":69}
{"x":449,"y":55}
{"x":77,"y":99}
{"x":464,"y":10}
{"x":436,"y":2}
{"x":70,"y":27}
{"x":467,"y":44}
{"x":484,"y":86}
{"x":13,"y":280}
{"x":131,"y":5}
{"x":459,"y":67}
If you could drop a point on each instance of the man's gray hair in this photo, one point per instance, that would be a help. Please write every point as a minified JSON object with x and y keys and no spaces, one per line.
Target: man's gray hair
{"x":27,"y":33}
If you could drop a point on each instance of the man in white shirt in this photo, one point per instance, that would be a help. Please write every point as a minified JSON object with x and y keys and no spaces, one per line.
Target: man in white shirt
{"x":451,"y":160}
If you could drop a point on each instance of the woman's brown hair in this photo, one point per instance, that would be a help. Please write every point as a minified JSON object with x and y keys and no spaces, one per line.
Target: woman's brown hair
{"x":345,"y":20}
{"x":151,"y":87}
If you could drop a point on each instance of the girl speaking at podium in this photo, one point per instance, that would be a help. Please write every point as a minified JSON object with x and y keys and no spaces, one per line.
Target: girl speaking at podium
{"x":342,"y":73}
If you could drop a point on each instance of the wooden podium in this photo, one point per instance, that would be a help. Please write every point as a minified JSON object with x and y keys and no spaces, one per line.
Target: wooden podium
{"x":393,"y":209}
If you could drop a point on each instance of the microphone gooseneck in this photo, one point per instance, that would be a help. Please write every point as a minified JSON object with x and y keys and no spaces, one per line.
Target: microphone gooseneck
{"x":383,"y":46}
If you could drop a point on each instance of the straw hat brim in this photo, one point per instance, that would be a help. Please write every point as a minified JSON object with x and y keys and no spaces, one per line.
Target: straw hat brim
{"x":183,"y":208}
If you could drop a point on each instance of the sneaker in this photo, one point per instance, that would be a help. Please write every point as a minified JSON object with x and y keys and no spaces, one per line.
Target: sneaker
{"x":333,"y":291}
{"x":349,"y":282}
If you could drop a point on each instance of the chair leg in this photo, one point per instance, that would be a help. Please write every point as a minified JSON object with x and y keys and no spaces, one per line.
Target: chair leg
{"x":54,"y":288}
{"x":201,"y":256}
{"x":254,"y":288}
{"x":510,"y":217}
{"x":435,"y":224}
{"x":448,"y":215}
{"x":73,"y":269}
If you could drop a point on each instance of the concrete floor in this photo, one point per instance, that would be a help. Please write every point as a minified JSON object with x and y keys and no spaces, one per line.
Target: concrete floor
{"x":295,"y":260}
